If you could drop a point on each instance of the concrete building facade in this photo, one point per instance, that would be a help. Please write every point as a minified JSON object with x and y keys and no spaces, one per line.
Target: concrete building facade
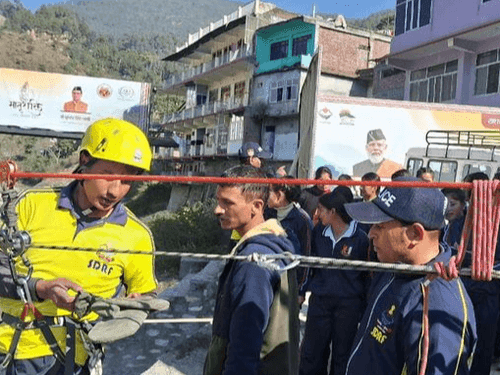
{"x":284,"y":52}
{"x":244,"y":77}
{"x":449,"y":50}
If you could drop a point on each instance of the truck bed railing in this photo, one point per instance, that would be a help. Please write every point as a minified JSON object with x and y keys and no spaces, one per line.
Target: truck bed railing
{"x":483,"y":139}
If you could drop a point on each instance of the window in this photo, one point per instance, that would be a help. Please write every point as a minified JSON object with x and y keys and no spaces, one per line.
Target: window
{"x":443,"y":170}
{"x":487,"y":72}
{"x":473,"y":168}
{"x":412,"y":14}
{"x":283,"y":90}
{"x":213,"y":95}
{"x":386,"y":73}
{"x":299,"y":46}
{"x":236,"y":128}
{"x":239,"y":89}
{"x":279,"y":50}
{"x":435,"y":84}
{"x":225,"y":93}
{"x":414,"y":165}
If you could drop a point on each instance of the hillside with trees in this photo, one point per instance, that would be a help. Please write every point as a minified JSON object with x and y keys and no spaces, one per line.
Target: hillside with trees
{"x":121,"y":39}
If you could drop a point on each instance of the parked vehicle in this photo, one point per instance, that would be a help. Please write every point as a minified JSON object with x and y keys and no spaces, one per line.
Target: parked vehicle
{"x":452,"y":155}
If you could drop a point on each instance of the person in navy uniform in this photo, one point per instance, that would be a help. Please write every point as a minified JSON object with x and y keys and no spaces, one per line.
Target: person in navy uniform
{"x":338,"y":297}
{"x":406,"y":227}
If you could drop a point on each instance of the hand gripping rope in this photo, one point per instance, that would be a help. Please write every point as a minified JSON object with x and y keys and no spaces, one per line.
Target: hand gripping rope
{"x":482,"y":220}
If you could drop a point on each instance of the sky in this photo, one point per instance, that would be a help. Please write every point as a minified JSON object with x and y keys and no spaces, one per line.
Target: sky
{"x":349,"y":8}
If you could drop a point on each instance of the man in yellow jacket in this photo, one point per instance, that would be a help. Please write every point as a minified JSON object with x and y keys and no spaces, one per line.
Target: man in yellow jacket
{"x":84,"y":214}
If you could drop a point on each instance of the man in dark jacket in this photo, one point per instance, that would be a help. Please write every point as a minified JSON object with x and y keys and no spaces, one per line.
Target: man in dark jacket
{"x":255,"y":319}
{"x":406,"y":224}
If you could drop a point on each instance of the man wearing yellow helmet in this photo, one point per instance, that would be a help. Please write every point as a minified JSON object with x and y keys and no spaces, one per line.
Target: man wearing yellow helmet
{"x":84,"y":214}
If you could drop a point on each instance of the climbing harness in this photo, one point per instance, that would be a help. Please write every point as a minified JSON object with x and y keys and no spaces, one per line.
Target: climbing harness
{"x":14,"y":243}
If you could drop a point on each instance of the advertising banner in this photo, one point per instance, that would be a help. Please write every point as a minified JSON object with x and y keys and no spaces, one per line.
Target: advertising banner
{"x":356,"y":136}
{"x":34,"y":101}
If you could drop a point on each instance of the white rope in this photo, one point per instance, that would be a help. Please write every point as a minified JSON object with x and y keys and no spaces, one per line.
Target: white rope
{"x":268,"y":261}
{"x":179,"y":320}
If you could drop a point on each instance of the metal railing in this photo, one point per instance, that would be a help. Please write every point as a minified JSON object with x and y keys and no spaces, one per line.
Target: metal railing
{"x":207,"y":109}
{"x":244,"y":51}
{"x":241,"y":12}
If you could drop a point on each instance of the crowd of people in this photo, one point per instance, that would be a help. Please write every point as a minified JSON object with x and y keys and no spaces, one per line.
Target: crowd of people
{"x":358,"y":322}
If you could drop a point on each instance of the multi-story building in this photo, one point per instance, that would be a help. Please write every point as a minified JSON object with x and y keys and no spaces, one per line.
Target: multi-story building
{"x":244,"y":78}
{"x":220,"y":61}
{"x":284,"y":51}
{"x":449,"y":50}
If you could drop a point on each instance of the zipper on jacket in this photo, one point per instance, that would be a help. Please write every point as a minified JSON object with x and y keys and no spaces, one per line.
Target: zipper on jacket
{"x":368,"y":321}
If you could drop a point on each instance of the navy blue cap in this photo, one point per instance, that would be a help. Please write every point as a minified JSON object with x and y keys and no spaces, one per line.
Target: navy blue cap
{"x":253,"y":149}
{"x":426,"y":206}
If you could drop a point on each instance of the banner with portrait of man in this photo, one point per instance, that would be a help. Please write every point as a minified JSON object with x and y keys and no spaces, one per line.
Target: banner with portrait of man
{"x":35,"y":102}
{"x":357,"y":135}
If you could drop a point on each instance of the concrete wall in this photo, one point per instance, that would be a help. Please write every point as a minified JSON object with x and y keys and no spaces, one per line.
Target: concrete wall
{"x":334,"y":85}
{"x":392,"y":87}
{"x":447,"y":18}
{"x":466,"y":75}
{"x":282,"y":32}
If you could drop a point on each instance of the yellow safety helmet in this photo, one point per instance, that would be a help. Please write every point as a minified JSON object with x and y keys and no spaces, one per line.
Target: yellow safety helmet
{"x":119,"y":141}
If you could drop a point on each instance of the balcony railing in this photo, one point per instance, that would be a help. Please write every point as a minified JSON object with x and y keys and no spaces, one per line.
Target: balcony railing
{"x":244,"y":51}
{"x":207,"y":109}
{"x":241,"y":12}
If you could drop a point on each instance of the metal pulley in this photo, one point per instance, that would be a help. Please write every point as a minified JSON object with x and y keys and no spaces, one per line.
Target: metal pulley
{"x":14,"y":244}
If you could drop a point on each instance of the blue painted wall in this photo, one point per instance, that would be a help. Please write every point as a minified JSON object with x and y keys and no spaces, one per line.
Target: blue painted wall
{"x":278,"y":33}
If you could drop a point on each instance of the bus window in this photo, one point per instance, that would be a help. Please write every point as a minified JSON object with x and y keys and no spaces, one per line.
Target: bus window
{"x":444,"y":170}
{"x":473,"y":168}
{"x":414,"y":165}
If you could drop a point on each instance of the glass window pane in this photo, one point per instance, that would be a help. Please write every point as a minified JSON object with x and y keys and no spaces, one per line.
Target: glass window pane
{"x":414,"y":165}
{"x":437,"y":90}
{"x":447,"y":83}
{"x":422,"y":91}
{"x":279,"y":50}
{"x":400,"y":19}
{"x":493,"y":71}
{"x":486,"y":57}
{"x":280,"y":94}
{"x":435,"y":70}
{"x":299,"y":46}
{"x":436,"y":167}
{"x":414,"y":92}
{"x":453,"y":86}
{"x":448,"y":171}
{"x":417,"y":74}
{"x":273,"y":95}
{"x":415,"y":14}
{"x":452,"y":66}
{"x":425,"y":12}
{"x":480,"y":85}
{"x":408,"y":15}
{"x":430,"y":98}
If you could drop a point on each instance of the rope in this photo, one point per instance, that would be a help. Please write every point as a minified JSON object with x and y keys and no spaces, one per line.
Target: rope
{"x":482,"y":221}
{"x":240,"y":180}
{"x":265,"y":260}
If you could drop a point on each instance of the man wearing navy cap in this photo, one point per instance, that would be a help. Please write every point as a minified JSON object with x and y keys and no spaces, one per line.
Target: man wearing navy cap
{"x":405,"y":229}
{"x":376,"y":148}
{"x":252,"y":154}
